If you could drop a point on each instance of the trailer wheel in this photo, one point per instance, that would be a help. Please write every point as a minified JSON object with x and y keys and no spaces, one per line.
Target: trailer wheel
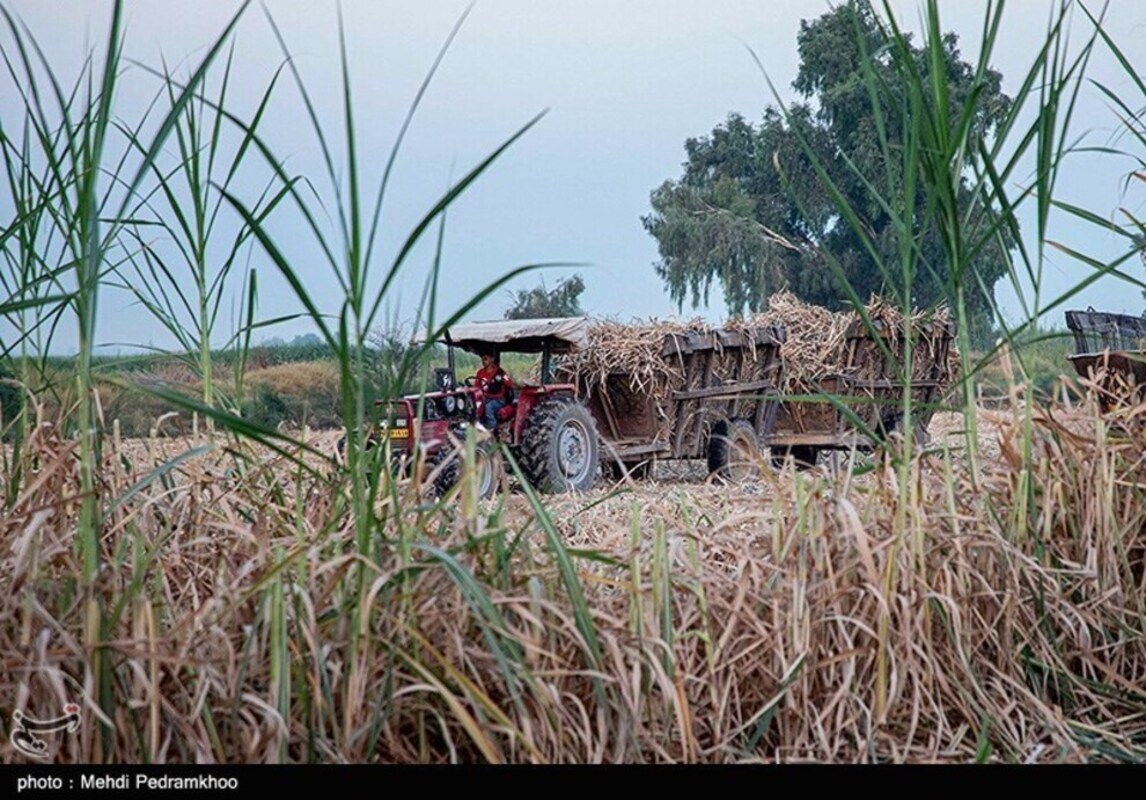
{"x":893,"y":423}
{"x":921,"y":435}
{"x":734,"y":452}
{"x":560,"y":449}
{"x":804,"y":456}
{"x":637,"y":470}
{"x":446,"y":466}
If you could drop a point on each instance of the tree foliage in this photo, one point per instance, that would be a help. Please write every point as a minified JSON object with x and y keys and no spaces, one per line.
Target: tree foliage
{"x":751,"y":214}
{"x":563,"y":300}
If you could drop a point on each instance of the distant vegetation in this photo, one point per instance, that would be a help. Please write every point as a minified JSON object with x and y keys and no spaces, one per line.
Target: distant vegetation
{"x":287,"y":384}
{"x":540,"y":302}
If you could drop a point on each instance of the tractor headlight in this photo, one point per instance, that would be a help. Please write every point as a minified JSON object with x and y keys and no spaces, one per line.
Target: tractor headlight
{"x":450,"y":404}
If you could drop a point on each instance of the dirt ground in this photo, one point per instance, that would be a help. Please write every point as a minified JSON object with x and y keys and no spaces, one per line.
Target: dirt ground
{"x":145,"y":454}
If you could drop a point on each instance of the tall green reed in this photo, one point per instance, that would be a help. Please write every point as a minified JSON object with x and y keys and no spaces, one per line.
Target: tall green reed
{"x":88,"y":196}
{"x":945,"y":173}
{"x":26,"y":279}
{"x":34,"y":298}
{"x":1128,"y":144}
{"x":88,"y":193}
{"x":182,"y":256}
{"x":349,"y":252}
{"x":974,"y":188}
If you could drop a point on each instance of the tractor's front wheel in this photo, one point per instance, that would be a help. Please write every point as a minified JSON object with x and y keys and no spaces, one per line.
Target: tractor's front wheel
{"x":395,"y":466}
{"x":559,"y":446}
{"x":446,"y":468}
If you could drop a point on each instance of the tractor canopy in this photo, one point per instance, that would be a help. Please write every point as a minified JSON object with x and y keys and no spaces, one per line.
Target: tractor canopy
{"x":557,"y":335}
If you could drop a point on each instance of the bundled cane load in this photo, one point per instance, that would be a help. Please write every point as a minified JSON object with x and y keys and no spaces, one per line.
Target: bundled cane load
{"x":631,"y":362}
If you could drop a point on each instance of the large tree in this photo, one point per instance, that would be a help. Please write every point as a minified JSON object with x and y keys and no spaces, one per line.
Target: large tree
{"x":563,"y":300}
{"x":751,"y":214}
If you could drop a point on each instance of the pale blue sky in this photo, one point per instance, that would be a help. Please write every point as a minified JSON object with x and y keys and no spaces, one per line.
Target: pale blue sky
{"x":626,"y":83}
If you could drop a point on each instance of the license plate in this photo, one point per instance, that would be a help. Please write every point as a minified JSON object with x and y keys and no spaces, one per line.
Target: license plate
{"x":399,"y":433}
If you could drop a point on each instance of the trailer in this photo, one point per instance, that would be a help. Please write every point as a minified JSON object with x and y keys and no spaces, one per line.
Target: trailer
{"x":871,"y":387}
{"x":723,"y":396}
{"x":1110,"y":350}
{"x":719,"y":397}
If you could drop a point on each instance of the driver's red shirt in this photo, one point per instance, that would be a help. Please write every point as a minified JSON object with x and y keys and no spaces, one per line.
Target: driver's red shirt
{"x":484,"y":377}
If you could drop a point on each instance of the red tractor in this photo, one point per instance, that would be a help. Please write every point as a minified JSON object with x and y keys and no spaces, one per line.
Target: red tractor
{"x":544,"y":426}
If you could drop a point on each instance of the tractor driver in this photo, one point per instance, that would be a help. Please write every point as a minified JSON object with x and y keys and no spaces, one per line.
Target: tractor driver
{"x":495,"y":386}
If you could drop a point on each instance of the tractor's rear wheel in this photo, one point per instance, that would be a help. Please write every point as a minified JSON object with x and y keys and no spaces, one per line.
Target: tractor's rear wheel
{"x":560,"y":449}
{"x":734,"y":452}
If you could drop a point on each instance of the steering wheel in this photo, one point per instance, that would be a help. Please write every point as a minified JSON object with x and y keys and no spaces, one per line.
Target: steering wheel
{"x":471,"y":381}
